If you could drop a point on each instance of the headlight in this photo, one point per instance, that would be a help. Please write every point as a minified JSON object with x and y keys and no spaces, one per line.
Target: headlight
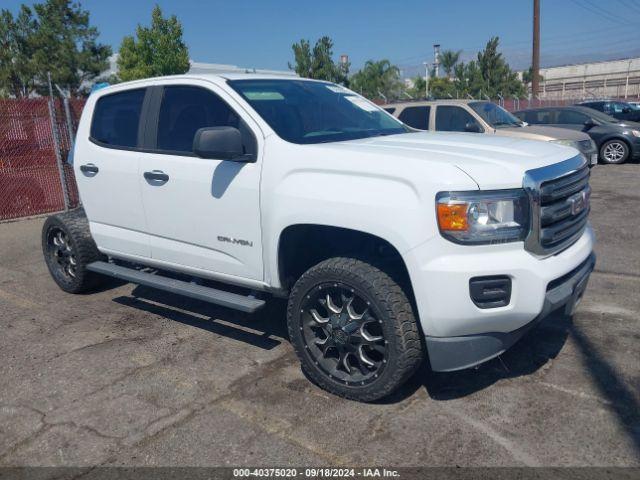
{"x":497,"y":216}
{"x":635,"y":133}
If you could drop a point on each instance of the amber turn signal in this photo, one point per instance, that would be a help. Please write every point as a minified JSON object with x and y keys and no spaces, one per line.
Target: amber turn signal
{"x":453,"y":216}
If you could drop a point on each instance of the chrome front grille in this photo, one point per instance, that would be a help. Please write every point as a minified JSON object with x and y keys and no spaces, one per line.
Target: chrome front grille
{"x":559,"y":196}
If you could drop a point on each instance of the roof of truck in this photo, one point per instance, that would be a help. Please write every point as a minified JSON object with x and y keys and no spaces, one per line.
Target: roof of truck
{"x":445,"y":101}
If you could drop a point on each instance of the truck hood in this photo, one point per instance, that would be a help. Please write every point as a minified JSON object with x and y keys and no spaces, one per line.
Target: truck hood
{"x":493,"y":162}
{"x":539,"y":132}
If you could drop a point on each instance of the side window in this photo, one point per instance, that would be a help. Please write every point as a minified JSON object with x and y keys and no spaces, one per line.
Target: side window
{"x":452,"y":119}
{"x":116,"y":118}
{"x":617,"y":107}
{"x":546,"y":117}
{"x":416,"y":117}
{"x":390,"y":110}
{"x":571,"y":118}
{"x":185,"y":109}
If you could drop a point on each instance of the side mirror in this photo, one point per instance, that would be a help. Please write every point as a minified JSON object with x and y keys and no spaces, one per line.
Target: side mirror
{"x":472,"y":127}
{"x":589,"y":124}
{"x":221,"y":143}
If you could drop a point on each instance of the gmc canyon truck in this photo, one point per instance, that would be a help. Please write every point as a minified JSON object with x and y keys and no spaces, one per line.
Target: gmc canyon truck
{"x":392,"y":245}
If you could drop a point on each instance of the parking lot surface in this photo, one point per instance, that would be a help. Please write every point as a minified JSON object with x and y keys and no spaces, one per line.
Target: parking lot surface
{"x":131,"y":376}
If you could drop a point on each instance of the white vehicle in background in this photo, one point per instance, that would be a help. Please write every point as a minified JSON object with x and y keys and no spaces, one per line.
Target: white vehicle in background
{"x":391,"y":245}
{"x":480,"y":116}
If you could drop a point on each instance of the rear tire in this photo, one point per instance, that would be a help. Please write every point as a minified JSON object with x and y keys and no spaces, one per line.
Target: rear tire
{"x":353,"y":329}
{"x":68,"y":248}
{"x":614,"y":151}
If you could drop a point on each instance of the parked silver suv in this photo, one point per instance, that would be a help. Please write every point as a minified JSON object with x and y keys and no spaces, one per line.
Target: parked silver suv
{"x":479,"y":116}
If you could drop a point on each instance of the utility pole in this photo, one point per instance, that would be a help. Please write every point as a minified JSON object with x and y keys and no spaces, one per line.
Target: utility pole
{"x":535,"y":60}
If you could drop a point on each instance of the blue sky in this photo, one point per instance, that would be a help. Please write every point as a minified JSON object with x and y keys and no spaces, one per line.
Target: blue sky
{"x":253,"y":33}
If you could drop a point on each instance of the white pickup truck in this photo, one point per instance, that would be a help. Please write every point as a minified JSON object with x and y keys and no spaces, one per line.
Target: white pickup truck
{"x":392,"y":245}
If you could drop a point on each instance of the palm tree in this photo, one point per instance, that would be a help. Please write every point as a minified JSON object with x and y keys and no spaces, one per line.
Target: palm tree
{"x":448,"y":60}
{"x":377,"y":79}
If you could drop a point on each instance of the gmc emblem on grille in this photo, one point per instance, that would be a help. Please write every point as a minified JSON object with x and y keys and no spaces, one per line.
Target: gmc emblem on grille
{"x":578,"y":202}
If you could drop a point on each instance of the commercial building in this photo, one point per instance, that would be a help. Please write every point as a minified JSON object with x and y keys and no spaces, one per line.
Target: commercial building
{"x":614,"y":78}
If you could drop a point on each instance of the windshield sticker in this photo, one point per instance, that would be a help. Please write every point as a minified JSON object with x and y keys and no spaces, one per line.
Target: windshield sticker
{"x":362,"y":103}
{"x":262,"y":95}
{"x":337,"y":89}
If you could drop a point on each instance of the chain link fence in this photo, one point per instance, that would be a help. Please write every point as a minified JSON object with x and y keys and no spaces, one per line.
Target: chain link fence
{"x":36,"y":135}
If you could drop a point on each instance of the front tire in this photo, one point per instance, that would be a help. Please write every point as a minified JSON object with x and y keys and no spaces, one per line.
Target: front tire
{"x":614,"y":151}
{"x":353,"y":329}
{"x":68,"y":248}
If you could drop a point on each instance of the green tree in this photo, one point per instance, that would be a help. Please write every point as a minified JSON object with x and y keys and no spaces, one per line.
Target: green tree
{"x":52,"y":37}
{"x":448,"y":60}
{"x":527,"y":76}
{"x":441,"y":88}
{"x":379,"y":80}
{"x":418,"y":88}
{"x":156,"y":51}
{"x":17,"y":75}
{"x":318,"y":62}
{"x":487,"y":76}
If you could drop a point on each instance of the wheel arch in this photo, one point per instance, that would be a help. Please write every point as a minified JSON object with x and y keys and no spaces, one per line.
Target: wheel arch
{"x":302,"y":245}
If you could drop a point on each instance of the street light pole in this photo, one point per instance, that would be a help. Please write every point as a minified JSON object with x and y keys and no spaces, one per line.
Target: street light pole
{"x":426,"y":80}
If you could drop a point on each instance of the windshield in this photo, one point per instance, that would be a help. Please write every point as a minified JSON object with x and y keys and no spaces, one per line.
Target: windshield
{"x":315,"y":112}
{"x":495,"y":115}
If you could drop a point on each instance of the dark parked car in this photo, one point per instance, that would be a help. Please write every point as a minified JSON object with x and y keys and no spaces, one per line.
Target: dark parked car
{"x":617,"y":140}
{"x":619,"y":110}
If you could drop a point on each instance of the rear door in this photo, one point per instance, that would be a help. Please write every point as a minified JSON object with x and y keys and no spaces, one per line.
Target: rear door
{"x":106,"y":166}
{"x":201,"y":213}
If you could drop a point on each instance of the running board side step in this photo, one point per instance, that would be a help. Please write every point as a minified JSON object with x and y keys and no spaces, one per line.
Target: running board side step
{"x":180,"y":287}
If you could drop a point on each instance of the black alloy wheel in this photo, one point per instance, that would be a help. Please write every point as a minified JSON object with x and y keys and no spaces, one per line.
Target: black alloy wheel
{"x":342,"y":334}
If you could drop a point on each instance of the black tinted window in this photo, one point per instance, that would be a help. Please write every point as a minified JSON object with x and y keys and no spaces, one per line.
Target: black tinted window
{"x":600,"y":106}
{"x":571,"y":117}
{"x":116,"y":118}
{"x":390,"y":110}
{"x":185,"y":109}
{"x":416,"y":117}
{"x":537,"y":117}
{"x":452,"y":119}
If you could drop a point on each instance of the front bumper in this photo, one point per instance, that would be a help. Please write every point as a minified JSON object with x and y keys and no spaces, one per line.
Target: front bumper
{"x":635,"y":149}
{"x":459,"y":352}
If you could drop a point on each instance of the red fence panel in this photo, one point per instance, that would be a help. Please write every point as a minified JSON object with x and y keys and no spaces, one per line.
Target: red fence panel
{"x":30,"y":180}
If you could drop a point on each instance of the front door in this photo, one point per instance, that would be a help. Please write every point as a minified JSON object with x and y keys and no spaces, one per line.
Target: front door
{"x":106,"y":167}
{"x":201,"y":213}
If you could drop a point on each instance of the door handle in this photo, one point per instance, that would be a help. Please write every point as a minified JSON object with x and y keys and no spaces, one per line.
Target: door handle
{"x":156,"y":176}
{"x":89,"y":168}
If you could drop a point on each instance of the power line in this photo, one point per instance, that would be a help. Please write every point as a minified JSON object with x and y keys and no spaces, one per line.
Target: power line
{"x":601,"y":13}
{"x":630,"y":5}
{"x":575,"y":37}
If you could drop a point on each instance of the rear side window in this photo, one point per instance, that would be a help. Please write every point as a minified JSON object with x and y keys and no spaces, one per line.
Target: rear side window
{"x":538,"y":117}
{"x":570,"y":117}
{"x":390,"y":110}
{"x":452,"y":119}
{"x":600,"y":106}
{"x":185,"y":109}
{"x":416,"y":117}
{"x":116,"y":118}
